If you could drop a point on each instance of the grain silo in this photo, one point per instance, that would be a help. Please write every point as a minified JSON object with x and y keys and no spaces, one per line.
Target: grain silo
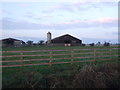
{"x":48,"y":38}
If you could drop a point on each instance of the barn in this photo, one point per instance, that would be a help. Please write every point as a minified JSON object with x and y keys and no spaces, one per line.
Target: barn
{"x":64,"y":39}
{"x":8,"y":42}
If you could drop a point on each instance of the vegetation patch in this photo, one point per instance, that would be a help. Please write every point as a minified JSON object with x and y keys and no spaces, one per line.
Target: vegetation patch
{"x":82,"y":75}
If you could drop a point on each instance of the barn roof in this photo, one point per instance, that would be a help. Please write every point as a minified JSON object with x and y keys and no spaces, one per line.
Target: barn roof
{"x":65,"y":36}
{"x":12,"y":39}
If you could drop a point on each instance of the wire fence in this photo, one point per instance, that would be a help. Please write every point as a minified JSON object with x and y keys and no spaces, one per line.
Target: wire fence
{"x":50,"y":57}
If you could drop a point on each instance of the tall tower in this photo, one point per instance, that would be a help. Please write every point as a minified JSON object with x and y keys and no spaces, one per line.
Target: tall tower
{"x":48,"y":38}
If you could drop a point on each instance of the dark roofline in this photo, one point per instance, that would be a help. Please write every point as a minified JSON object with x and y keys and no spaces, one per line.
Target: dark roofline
{"x":12,"y":39}
{"x":65,"y":35}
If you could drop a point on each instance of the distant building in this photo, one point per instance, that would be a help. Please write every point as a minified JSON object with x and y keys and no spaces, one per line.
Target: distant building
{"x":63,"y":40}
{"x":49,"y":38}
{"x":8,"y":42}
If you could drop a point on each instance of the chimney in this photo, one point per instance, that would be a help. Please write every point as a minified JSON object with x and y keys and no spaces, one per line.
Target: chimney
{"x":48,"y":38}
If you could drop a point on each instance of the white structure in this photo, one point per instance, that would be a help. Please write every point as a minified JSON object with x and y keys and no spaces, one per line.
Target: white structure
{"x":48,"y":38}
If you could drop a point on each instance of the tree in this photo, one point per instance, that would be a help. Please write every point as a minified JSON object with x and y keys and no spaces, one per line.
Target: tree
{"x":41,"y":42}
{"x":29,"y":43}
{"x":92,"y":44}
{"x":106,"y":44}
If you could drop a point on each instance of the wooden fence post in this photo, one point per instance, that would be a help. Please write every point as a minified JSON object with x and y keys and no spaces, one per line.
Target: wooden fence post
{"x":110,"y":54}
{"x":50,"y":58}
{"x":94,"y":54}
{"x":72,"y":56}
{"x":21,"y":57}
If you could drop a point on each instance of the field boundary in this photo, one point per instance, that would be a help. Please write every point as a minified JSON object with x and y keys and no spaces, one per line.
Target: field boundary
{"x":83,"y":54}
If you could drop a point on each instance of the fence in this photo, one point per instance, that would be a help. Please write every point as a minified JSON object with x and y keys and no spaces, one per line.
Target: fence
{"x":49,"y":57}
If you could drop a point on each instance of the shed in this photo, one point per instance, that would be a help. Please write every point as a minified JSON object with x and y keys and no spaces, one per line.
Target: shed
{"x":12,"y":42}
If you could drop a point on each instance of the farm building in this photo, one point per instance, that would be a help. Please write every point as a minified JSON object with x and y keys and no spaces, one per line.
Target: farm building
{"x":63,"y":40}
{"x":12,"y":42}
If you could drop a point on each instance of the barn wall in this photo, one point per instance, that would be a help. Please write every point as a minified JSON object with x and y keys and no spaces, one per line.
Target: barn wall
{"x":17,"y":43}
{"x":62,"y":44}
{"x":11,"y":42}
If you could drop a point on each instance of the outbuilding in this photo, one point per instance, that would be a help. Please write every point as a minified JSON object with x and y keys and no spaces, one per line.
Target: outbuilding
{"x":8,"y":42}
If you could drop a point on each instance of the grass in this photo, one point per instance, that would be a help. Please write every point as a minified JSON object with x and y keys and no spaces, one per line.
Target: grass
{"x":59,"y":75}
{"x":51,"y":47}
{"x":47,"y":76}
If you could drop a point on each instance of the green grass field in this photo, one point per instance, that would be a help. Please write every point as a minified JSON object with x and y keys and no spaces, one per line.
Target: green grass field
{"x":55,"y":58}
{"x":51,"y":47}
{"x":17,"y":77}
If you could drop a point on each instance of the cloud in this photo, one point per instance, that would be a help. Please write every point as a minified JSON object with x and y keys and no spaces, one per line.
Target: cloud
{"x":93,"y":5}
{"x":105,"y":20}
{"x":11,"y":24}
{"x":81,"y":6}
{"x":6,"y":12}
{"x":65,"y":7}
{"x":106,"y":23}
{"x":38,"y":18}
{"x":23,"y":5}
{"x":46,"y":15}
{"x":29,"y":15}
{"x":85,"y":6}
{"x":60,"y":6}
